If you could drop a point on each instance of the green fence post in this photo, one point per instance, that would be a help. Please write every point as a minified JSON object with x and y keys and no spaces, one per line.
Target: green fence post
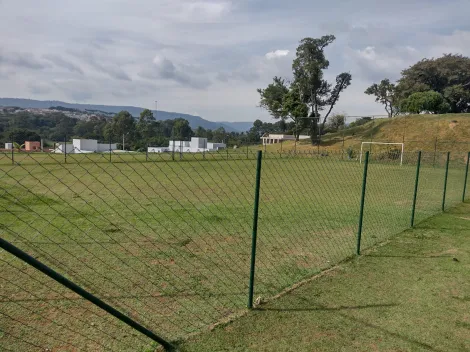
{"x":363,"y":197}
{"x":255,"y":230}
{"x":418,"y":165}
{"x":466,"y":177}
{"x":445,"y":182}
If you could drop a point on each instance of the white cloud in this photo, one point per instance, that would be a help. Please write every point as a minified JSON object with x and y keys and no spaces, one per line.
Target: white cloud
{"x":276,"y":54}
{"x":377,"y":63}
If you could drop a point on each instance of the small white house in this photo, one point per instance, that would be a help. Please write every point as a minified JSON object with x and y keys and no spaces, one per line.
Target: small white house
{"x":196,"y":145}
{"x":9,"y":146}
{"x":273,"y":138}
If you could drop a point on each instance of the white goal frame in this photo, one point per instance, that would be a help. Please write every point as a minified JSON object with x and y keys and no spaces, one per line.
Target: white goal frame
{"x":402,"y":149}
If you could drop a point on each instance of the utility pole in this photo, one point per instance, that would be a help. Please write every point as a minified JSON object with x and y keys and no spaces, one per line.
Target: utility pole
{"x":156,"y":109}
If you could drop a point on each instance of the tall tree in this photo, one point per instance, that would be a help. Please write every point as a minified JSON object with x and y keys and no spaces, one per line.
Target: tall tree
{"x":308,"y":88}
{"x":146,"y":126}
{"x":314,"y":90}
{"x":384,"y":93}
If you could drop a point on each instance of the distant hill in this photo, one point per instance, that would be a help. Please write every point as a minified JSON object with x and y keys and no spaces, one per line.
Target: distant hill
{"x":239,"y":126}
{"x":194,"y":121}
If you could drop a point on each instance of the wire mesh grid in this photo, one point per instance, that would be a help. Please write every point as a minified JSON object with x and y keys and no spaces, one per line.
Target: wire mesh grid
{"x":166,"y":238}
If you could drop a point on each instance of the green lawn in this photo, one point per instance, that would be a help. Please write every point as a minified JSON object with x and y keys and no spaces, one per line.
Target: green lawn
{"x":412,"y":294}
{"x":169,"y":242}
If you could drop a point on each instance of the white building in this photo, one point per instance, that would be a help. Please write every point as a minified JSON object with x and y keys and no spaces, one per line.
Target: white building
{"x":9,"y":146}
{"x":197,"y":144}
{"x":273,"y":138}
{"x":79,"y":146}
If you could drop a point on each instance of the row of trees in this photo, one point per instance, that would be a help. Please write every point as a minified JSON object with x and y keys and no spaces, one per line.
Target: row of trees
{"x":302,"y":100}
{"x":432,"y":86}
{"x":138,"y":133}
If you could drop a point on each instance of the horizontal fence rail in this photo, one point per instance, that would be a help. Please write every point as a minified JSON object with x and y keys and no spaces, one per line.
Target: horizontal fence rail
{"x":178,"y":243}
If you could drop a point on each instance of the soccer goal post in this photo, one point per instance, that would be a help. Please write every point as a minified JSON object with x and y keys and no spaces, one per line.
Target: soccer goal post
{"x":384,"y":143}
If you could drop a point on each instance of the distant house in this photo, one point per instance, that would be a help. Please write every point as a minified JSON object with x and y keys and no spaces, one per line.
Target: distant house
{"x":273,"y":138}
{"x":81,"y":146}
{"x":197,"y":144}
{"x":30,"y":146}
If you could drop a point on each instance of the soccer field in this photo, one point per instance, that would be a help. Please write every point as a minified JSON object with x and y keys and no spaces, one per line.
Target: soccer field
{"x":169,"y":242}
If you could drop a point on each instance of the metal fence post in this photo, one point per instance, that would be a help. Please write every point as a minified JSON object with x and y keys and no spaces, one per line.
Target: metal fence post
{"x":418,"y":165}
{"x":445,"y":182}
{"x":147,"y":153}
{"x":7,"y":246}
{"x":109,"y":149}
{"x":247,"y":157}
{"x":255,"y":230}
{"x":363,"y":197}
{"x":65,"y":148}
{"x":465,"y":179}
{"x":13,"y":155}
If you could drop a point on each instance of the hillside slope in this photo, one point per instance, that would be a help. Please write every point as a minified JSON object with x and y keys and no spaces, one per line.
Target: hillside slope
{"x":448,"y":132}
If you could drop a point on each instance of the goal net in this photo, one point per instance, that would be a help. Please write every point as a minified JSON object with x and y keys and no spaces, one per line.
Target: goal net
{"x":383,"y":150}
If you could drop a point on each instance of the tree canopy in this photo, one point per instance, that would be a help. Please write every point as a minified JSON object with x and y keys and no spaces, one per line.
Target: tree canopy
{"x":429,"y":102}
{"x":431,"y":85}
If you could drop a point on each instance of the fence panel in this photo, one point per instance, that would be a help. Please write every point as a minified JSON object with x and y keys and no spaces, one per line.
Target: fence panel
{"x":168,"y":242}
{"x":308,"y":217}
{"x":389,"y":196}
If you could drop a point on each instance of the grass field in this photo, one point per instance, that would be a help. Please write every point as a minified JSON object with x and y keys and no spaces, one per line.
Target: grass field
{"x":169,"y":243}
{"x":411,"y":294}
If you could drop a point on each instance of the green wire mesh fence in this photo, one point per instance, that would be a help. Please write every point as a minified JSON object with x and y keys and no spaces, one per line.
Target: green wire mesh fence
{"x":166,"y":238}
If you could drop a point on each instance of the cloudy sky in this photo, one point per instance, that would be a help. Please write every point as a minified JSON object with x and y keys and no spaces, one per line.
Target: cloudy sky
{"x":208,"y":57}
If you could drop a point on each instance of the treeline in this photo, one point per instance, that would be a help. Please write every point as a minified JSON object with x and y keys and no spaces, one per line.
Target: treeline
{"x":54,"y":127}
